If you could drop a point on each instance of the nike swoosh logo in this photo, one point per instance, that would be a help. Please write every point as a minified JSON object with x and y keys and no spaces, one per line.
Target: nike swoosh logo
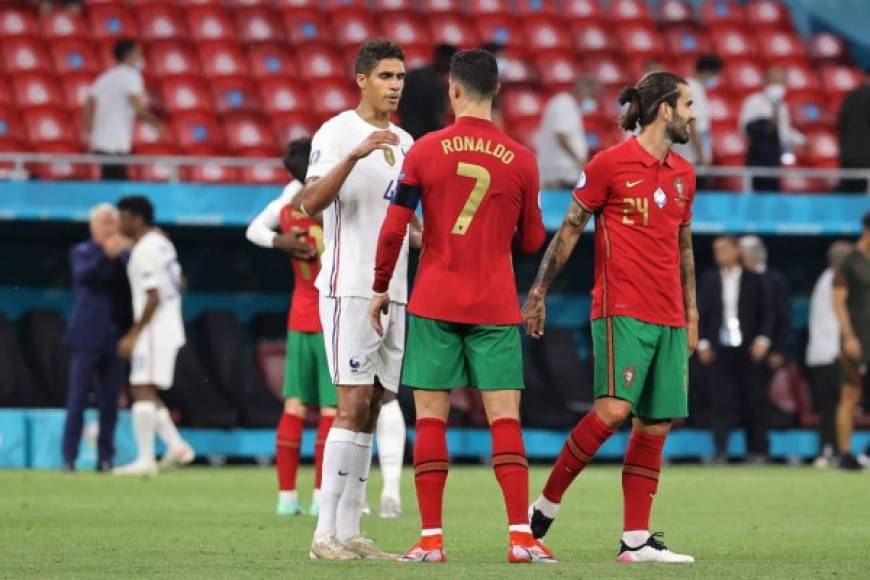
{"x":633,"y":183}
{"x":343,"y":473}
{"x":363,"y":479}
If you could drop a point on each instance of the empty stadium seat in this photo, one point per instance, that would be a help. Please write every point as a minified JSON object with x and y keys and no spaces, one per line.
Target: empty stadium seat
{"x":12,"y":134}
{"x":25,"y":54}
{"x":601,"y":134}
{"x":640,"y":40}
{"x":384,"y":7}
{"x":417,"y":56}
{"x":434,"y":7}
{"x":34,"y":90}
{"x":291,"y":5}
{"x":767,"y":13}
{"x":335,"y":5}
{"x":715,"y":13}
{"x":454,"y":30}
{"x":729,"y":147}
{"x":810,"y":112}
{"x":76,"y":88}
{"x":332,"y":97}
{"x":520,"y":104}
{"x":63,"y":170}
{"x":777,"y":45}
{"x":49,"y":126}
{"x":320,"y":62}
{"x":622,"y":11}
{"x":502,"y":29}
{"x":730,"y":42}
{"x":479,"y":7}
{"x":161,"y":22}
{"x":234,"y":95}
{"x":546,"y":33}
{"x":248,"y":134}
{"x":800,"y":78}
{"x":262,"y":175}
{"x":212,"y":173}
{"x":112,"y":21}
{"x":827,"y":48}
{"x":822,"y":150}
{"x":280,"y":95}
{"x":258,"y":24}
{"x":675,"y":12}
{"x":537,"y":7}
{"x":407,"y":29}
{"x":148,"y":141}
{"x":222,"y":60}
{"x":6,"y":97}
{"x":185,"y":94}
{"x":352,"y":28}
{"x":525,"y":131}
{"x":63,"y":24}
{"x":75,"y":55}
{"x":291,"y":126}
{"x":592,"y":36}
{"x":271,"y":61}
{"x":516,"y":69}
{"x":558,"y":70}
{"x":18,"y":22}
{"x":745,"y":75}
{"x":171,"y":58}
{"x":839,"y":80}
{"x":724,"y":109}
{"x":198,"y":132}
{"x":608,"y":70}
{"x":579,"y":10}
{"x":687,"y":42}
{"x":307,"y":26}
{"x":207,"y":23}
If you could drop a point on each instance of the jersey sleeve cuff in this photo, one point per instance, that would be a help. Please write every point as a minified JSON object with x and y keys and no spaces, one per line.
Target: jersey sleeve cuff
{"x":581,"y":203}
{"x":380,"y":286}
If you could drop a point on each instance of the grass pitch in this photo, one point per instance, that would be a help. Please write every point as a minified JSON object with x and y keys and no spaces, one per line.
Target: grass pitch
{"x":773,"y":522}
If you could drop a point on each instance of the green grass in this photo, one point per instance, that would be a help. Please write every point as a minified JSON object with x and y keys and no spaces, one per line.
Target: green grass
{"x":742,"y":523}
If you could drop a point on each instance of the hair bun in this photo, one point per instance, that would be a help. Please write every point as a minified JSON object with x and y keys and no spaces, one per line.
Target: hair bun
{"x":628,"y":94}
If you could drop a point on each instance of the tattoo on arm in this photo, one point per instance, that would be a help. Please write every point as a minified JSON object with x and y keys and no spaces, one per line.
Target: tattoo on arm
{"x":562,"y":244}
{"x":687,"y":269}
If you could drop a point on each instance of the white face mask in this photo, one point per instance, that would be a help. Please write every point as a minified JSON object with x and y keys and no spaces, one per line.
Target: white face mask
{"x":502,"y":64}
{"x":775,"y":92}
{"x":711,"y":82}
{"x":139,"y":65}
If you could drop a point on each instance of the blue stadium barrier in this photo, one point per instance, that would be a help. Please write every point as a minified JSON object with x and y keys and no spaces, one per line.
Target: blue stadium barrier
{"x":31,"y":438}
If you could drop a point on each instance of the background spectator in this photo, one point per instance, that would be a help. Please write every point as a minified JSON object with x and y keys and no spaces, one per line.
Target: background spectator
{"x":823,"y":350}
{"x":116,"y":99}
{"x":424,"y":99}
{"x":736,"y":322}
{"x":753,"y":254}
{"x":853,"y":128}
{"x":561,"y":140}
{"x":699,"y":150}
{"x":765,"y":120}
{"x":101,"y":314}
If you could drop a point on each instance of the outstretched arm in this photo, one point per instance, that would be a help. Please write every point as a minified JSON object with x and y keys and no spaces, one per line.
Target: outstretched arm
{"x":557,"y":254}
{"x":687,"y":275}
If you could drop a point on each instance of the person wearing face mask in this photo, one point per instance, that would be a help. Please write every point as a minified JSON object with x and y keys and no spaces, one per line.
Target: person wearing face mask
{"x":561,"y":139}
{"x":765,"y":120}
{"x":115,"y":101}
{"x":699,"y":150}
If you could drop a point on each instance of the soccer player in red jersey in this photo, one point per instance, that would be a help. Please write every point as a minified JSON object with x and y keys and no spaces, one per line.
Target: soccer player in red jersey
{"x":479,"y":190}
{"x":644,"y":314}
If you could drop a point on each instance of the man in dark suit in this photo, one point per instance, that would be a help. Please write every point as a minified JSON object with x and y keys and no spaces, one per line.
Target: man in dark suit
{"x":736,"y":323}
{"x":100,"y":316}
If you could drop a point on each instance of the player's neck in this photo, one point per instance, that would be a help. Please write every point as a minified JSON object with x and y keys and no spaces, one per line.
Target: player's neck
{"x":141,"y":234}
{"x":653,"y":140}
{"x":368,"y":114}
{"x":475,"y":110}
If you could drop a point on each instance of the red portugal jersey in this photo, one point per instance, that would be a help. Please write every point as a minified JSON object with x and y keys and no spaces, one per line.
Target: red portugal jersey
{"x":304,"y":313}
{"x":639,"y":206}
{"x":479,"y":190}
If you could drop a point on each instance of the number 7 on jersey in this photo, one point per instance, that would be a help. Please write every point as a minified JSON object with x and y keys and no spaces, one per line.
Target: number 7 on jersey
{"x":482,"y":180}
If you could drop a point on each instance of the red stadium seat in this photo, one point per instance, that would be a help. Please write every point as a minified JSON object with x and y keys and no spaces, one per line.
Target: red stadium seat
{"x":688,"y":42}
{"x":453,"y":30}
{"x":271,"y":61}
{"x":331,"y":6}
{"x":839,"y":80}
{"x":407,"y":29}
{"x":434,"y":7}
{"x":716,"y":13}
{"x":209,"y":23}
{"x":525,"y":131}
{"x":809,"y":112}
{"x":578,"y":10}
{"x":64,"y":24}
{"x":291,"y":5}
{"x":234,"y":95}
{"x":157,"y":172}
{"x":502,"y":29}
{"x":332,"y":97}
{"x":6,"y":96}
{"x":257,"y":25}
{"x":640,"y":40}
{"x":767,"y":14}
{"x":317,"y":62}
{"x":25,"y":55}
{"x":37,"y":90}
{"x":417,"y":55}
{"x":522,"y":103}
{"x":74,"y":55}
{"x":601,"y":134}
{"x":516,"y":69}
{"x":608,"y":70}
{"x":280,"y":96}
{"x":161,"y":22}
{"x":384,"y":7}
{"x":592,"y":36}
{"x":17,"y":22}
{"x":307,"y":26}
{"x":352,"y":28}
{"x":776,"y":45}
{"x":262,"y":175}
{"x":149,"y":141}
{"x":249,"y":134}
{"x":171,"y":58}
{"x":729,"y":147}
{"x":731,"y":42}
{"x":675,"y":12}
{"x":724,"y":109}
{"x":222,"y":60}
{"x":559,"y":70}
{"x":185,"y":94}
{"x":49,"y":127}
{"x":546,"y":33}
{"x":629,"y":11}
{"x":800,"y":78}
{"x":12,"y":135}
{"x":828,"y":48}
{"x":535,"y":7}
{"x":63,"y":170}
{"x":823,"y":149}
{"x":488,"y":6}
{"x":213,"y":173}
{"x":76,"y":89}
{"x":112,"y":21}
{"x":286,"y":128}
{"x":198,"y":132}
{"x":745,"y":76}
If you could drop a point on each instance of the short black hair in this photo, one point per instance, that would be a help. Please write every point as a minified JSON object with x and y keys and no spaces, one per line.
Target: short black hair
{"x":138,"y":205}
{"x":296,"y":157}
{"x":374,"y":51}
{"x":123,"y":48}
{"x":476,"y":70}
{"x":708,"y":63}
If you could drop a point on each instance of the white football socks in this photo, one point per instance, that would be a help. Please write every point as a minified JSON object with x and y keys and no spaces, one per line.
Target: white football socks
{"x":166,"y":430}
{"x":337,"y":454}
{"x":635,"y":538}
{"x":350,"y":505}
{"x":144,"y":423}
{"x":390,"y":435}
{"x":547,"y":507}
{"x":288,"y":496}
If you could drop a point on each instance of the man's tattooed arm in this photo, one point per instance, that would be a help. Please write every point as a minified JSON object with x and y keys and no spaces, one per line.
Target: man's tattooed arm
{"x":687,"y":276}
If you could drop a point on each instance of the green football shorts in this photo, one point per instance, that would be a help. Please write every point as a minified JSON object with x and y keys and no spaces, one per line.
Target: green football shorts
{"x":306,"y":374}
{"x":446,"y":355}
{"x":644,"y":364}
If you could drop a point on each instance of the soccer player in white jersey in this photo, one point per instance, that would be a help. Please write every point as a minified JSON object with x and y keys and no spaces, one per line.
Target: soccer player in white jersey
{"x":153,"y":342}
{"x":355,"y":161}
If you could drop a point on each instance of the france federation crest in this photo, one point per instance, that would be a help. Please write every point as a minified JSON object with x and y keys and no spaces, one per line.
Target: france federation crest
{"x":660,"y":198}
{"x":389,"y":156}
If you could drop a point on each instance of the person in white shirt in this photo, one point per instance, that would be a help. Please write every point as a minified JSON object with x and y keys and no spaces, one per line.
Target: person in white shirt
{"x":561,"y":140}
{"x":765,"y":119}
{"x":114,"y":102}
{"x":823,"y":352}
{"x":355,"y":162}
{"x":699,"y":150}
{"x":153,"y":342}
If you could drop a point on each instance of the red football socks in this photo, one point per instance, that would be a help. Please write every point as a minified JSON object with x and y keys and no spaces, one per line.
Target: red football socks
{"x":287,"y":442}
{"x":640,"y":478}
{"x":430,"y":469}
{"x":511,"y":468}
{"x":323,"y":427}
{"x":582,"y":444}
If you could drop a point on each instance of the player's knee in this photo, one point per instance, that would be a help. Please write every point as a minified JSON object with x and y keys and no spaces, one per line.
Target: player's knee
{"x":612,"y":411}
{"x":294,"y":407}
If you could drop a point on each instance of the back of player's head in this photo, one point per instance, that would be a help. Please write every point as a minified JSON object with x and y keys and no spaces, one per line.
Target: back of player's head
{"x":708,"y":63}
{"x":477,"y":71}
{"x":644,"y":99}
{"x":138,"y":205}
{"x":296,"y":157}
{"x":123,"y":48}
{"x":374,"y":51}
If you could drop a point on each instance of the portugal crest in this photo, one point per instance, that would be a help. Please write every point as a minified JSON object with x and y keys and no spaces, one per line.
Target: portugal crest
{"x":628,"y":375}
{"x":680,"y":188}
{"x":389,"y":156}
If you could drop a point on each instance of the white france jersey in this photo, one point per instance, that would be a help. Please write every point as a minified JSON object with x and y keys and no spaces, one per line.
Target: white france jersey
{"x":352,"y":223}
{"x":154,"y":265}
